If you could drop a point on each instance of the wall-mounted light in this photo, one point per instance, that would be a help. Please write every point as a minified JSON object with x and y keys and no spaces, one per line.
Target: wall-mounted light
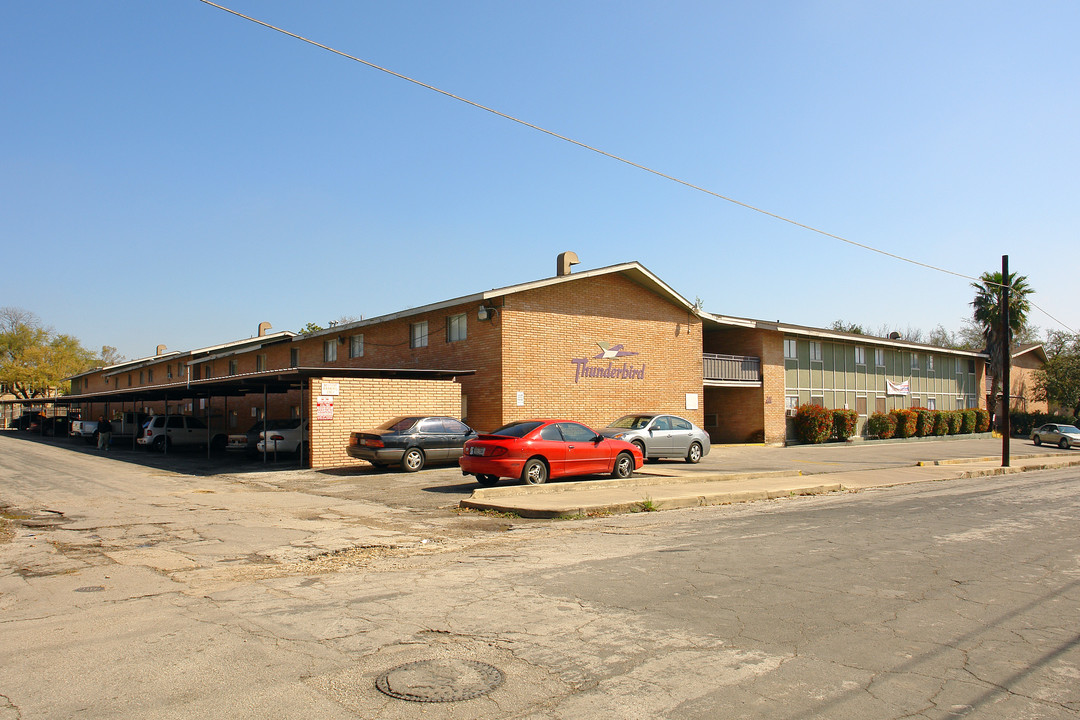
{"x":485,"y":313}
{"x":341,"y":340}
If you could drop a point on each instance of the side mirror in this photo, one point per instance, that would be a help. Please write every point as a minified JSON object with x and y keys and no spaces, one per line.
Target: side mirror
{"x":598,"y":438}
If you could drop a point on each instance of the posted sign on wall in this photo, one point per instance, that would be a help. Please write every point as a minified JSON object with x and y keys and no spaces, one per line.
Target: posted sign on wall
{"x":324,"y":407}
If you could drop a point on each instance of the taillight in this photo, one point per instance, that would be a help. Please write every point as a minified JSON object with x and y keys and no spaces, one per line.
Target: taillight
{"x":277,"y":438}
{"x":374,"y":442}
{"x":149,"y":432}
{"x":495,"y":451}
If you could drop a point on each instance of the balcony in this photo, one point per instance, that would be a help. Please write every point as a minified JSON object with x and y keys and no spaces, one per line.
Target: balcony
{"x":731,"y":370}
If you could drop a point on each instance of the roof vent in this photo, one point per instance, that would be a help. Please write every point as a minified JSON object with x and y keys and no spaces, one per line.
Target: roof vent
{"x":263,"y":327}
{"x":564,"y":262}
{"x":160,"y":350}
{"x":894,"y":336}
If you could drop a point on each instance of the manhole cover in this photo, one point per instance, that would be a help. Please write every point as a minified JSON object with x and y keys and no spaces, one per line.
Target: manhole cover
{"x":440,"y":680}
{"x":90,"y":588}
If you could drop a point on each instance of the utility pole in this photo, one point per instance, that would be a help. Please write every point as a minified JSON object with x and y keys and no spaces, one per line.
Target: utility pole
{"x":1006,"y":361}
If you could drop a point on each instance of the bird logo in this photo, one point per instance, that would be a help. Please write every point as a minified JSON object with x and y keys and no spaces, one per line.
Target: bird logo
{"x":610,"y":352}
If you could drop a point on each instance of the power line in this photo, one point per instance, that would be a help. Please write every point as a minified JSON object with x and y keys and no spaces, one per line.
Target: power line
{"x":609,"y":155}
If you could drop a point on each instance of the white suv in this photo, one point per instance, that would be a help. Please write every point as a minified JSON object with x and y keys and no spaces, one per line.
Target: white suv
{"x":165,"y":431}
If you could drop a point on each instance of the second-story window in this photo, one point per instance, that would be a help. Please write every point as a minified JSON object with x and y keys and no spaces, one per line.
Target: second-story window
{"x":150,"y":375}
{"x":329,"y":351}
{"x":455,"y":328}
{"x":418,"y":334}
{"x":294,"y":357}
{"x":879,"y":357}
{"x":789,"y":349}
{"x":860,"y":356}
{"x":815,"y":352}
{"x":260,"y":362}
{"x":356,"y":346}
{"x":914,"y":361}
{"x":232,"y":367}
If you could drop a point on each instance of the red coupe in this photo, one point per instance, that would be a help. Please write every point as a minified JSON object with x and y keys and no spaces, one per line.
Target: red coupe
{"x":535,"y":450}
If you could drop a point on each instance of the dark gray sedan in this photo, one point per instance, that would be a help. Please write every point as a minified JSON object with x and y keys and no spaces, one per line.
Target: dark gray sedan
{"x":659,"y":435}
{"x":1064,"y":436}
{"x":411,"y":442}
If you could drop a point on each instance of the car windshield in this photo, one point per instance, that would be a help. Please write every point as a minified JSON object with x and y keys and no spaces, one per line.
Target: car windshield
{"x":517,"y":429}
{"x":1071,"y":429}
{"x":631,"y":422}
{"x":398,"y":424}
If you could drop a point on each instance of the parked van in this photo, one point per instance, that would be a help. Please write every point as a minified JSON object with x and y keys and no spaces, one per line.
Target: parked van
{"x":165,"y":431}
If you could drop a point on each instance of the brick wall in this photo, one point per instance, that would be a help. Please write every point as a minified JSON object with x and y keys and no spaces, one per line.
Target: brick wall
{"x":364,"y":403}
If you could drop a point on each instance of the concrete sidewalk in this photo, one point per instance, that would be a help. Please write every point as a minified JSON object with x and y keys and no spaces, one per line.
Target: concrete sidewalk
{"x":647,"y":490}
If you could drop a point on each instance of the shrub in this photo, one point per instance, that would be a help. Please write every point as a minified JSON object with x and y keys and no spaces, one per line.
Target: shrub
{"x":941,"y":423}
{"x":967,"y":421}
{"x":924,"y":421}
{"x":813,"y":423}
{"x":844,"y":423}
{"x":954,"y":421}
{"x":1023,"y":423}
{"x":905,"y":422}
{"x":881,"y":426}
{"x":982,"y":420}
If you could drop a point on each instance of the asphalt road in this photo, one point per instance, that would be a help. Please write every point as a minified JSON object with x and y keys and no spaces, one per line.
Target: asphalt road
{"x":129,"y":590}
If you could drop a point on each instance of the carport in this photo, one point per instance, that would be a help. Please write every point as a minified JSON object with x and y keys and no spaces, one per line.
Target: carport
{"x":260,"y":385}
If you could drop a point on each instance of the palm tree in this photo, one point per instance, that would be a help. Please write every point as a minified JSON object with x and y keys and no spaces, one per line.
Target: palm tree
{"x":987,"y":315}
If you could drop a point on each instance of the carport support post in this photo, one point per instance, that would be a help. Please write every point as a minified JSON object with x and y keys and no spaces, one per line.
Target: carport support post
{"x":266,"y":435}
{"x":302,"y":423}
{"x":208,"y":434}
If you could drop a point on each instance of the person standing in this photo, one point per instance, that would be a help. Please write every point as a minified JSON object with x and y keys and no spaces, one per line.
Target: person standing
{"x":104,"y":434}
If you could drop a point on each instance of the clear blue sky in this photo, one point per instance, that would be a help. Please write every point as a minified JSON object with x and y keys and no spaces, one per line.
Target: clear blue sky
{"x":206,"y":174}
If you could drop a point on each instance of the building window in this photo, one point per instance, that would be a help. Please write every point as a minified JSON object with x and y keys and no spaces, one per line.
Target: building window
{"x":930,"y":363}
{"x":789,"y":349}
{"x":931,"y":403}
{"x":168,"y":372}
{"x":971,"y":366}
{"x":418,"y":335}
{"x":260,"y":362}
{"x":356,"y":346}
{"x":791,"y":404}
{"x":817,"y":400}
{"x":142,"y":378}
{"x":207,"y":370}
{"x":860,"y":356}
{"x":815,"y":352}
{"x":129,"y":379}
{"x":233,"y":367}
{"x":914,"y":361}
{"x":234,"y":419}
{"x":150,"y":375}
{"x":879,"y":357}
{"x":455,"y":328}
{"x":881,"y":405}
{"x":294,"y":357}
{"x":329,"y":351}
{"x":860,"y":405}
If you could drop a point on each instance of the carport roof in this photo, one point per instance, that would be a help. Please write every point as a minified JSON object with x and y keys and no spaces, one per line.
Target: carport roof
{"x":272,"y":381}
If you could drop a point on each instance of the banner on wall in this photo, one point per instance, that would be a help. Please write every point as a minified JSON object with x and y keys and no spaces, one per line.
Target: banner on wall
{"x":894,"y":388}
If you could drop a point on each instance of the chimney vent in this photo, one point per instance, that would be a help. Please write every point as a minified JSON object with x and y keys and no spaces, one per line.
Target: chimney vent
{"x":564,"y":262}
{"x":160,"y":350}
{"x":263,"y":327}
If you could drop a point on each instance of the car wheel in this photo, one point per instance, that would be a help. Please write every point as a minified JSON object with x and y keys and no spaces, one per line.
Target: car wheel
{"x":693,"y":455}
{"x":641,"y":447}
{"x":217,"y":445}
{"x":412,"y":460}
{"x":1037,"y":440}
{"x":159,"y":444}
{"x":487,"y":480}
{"x":624,"y":466}
{"x":1064,"y":444}
{"x":535,"y":472}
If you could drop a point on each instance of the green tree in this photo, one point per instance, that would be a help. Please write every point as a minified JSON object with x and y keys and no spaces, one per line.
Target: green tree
{"x":34,"y":360}
{"x":841,"y":326}
{"x":1059,"y":380}
{"x":986,"y":312}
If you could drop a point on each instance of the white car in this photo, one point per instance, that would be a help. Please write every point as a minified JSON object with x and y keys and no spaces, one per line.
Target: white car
{"x":283,"y":439}
{"x":164,"y":431}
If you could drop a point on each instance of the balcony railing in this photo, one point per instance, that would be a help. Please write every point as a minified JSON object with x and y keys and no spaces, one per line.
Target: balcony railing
{"x":734,"y":368}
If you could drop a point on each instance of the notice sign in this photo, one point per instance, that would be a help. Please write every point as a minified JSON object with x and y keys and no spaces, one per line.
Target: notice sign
{"x":324,"y":407}
{"x":331,"y":388}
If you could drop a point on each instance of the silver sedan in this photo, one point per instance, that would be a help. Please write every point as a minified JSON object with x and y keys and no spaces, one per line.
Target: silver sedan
{"x":659,"y":435}
{"x":1064,"y":436}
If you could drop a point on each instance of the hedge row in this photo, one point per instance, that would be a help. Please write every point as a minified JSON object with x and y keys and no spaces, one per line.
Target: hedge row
{"x":921,"y":422}
{"x":815,"y":424}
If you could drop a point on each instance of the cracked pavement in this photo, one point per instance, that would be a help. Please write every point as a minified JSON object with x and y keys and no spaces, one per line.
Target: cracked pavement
{"x":129,"y":591}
